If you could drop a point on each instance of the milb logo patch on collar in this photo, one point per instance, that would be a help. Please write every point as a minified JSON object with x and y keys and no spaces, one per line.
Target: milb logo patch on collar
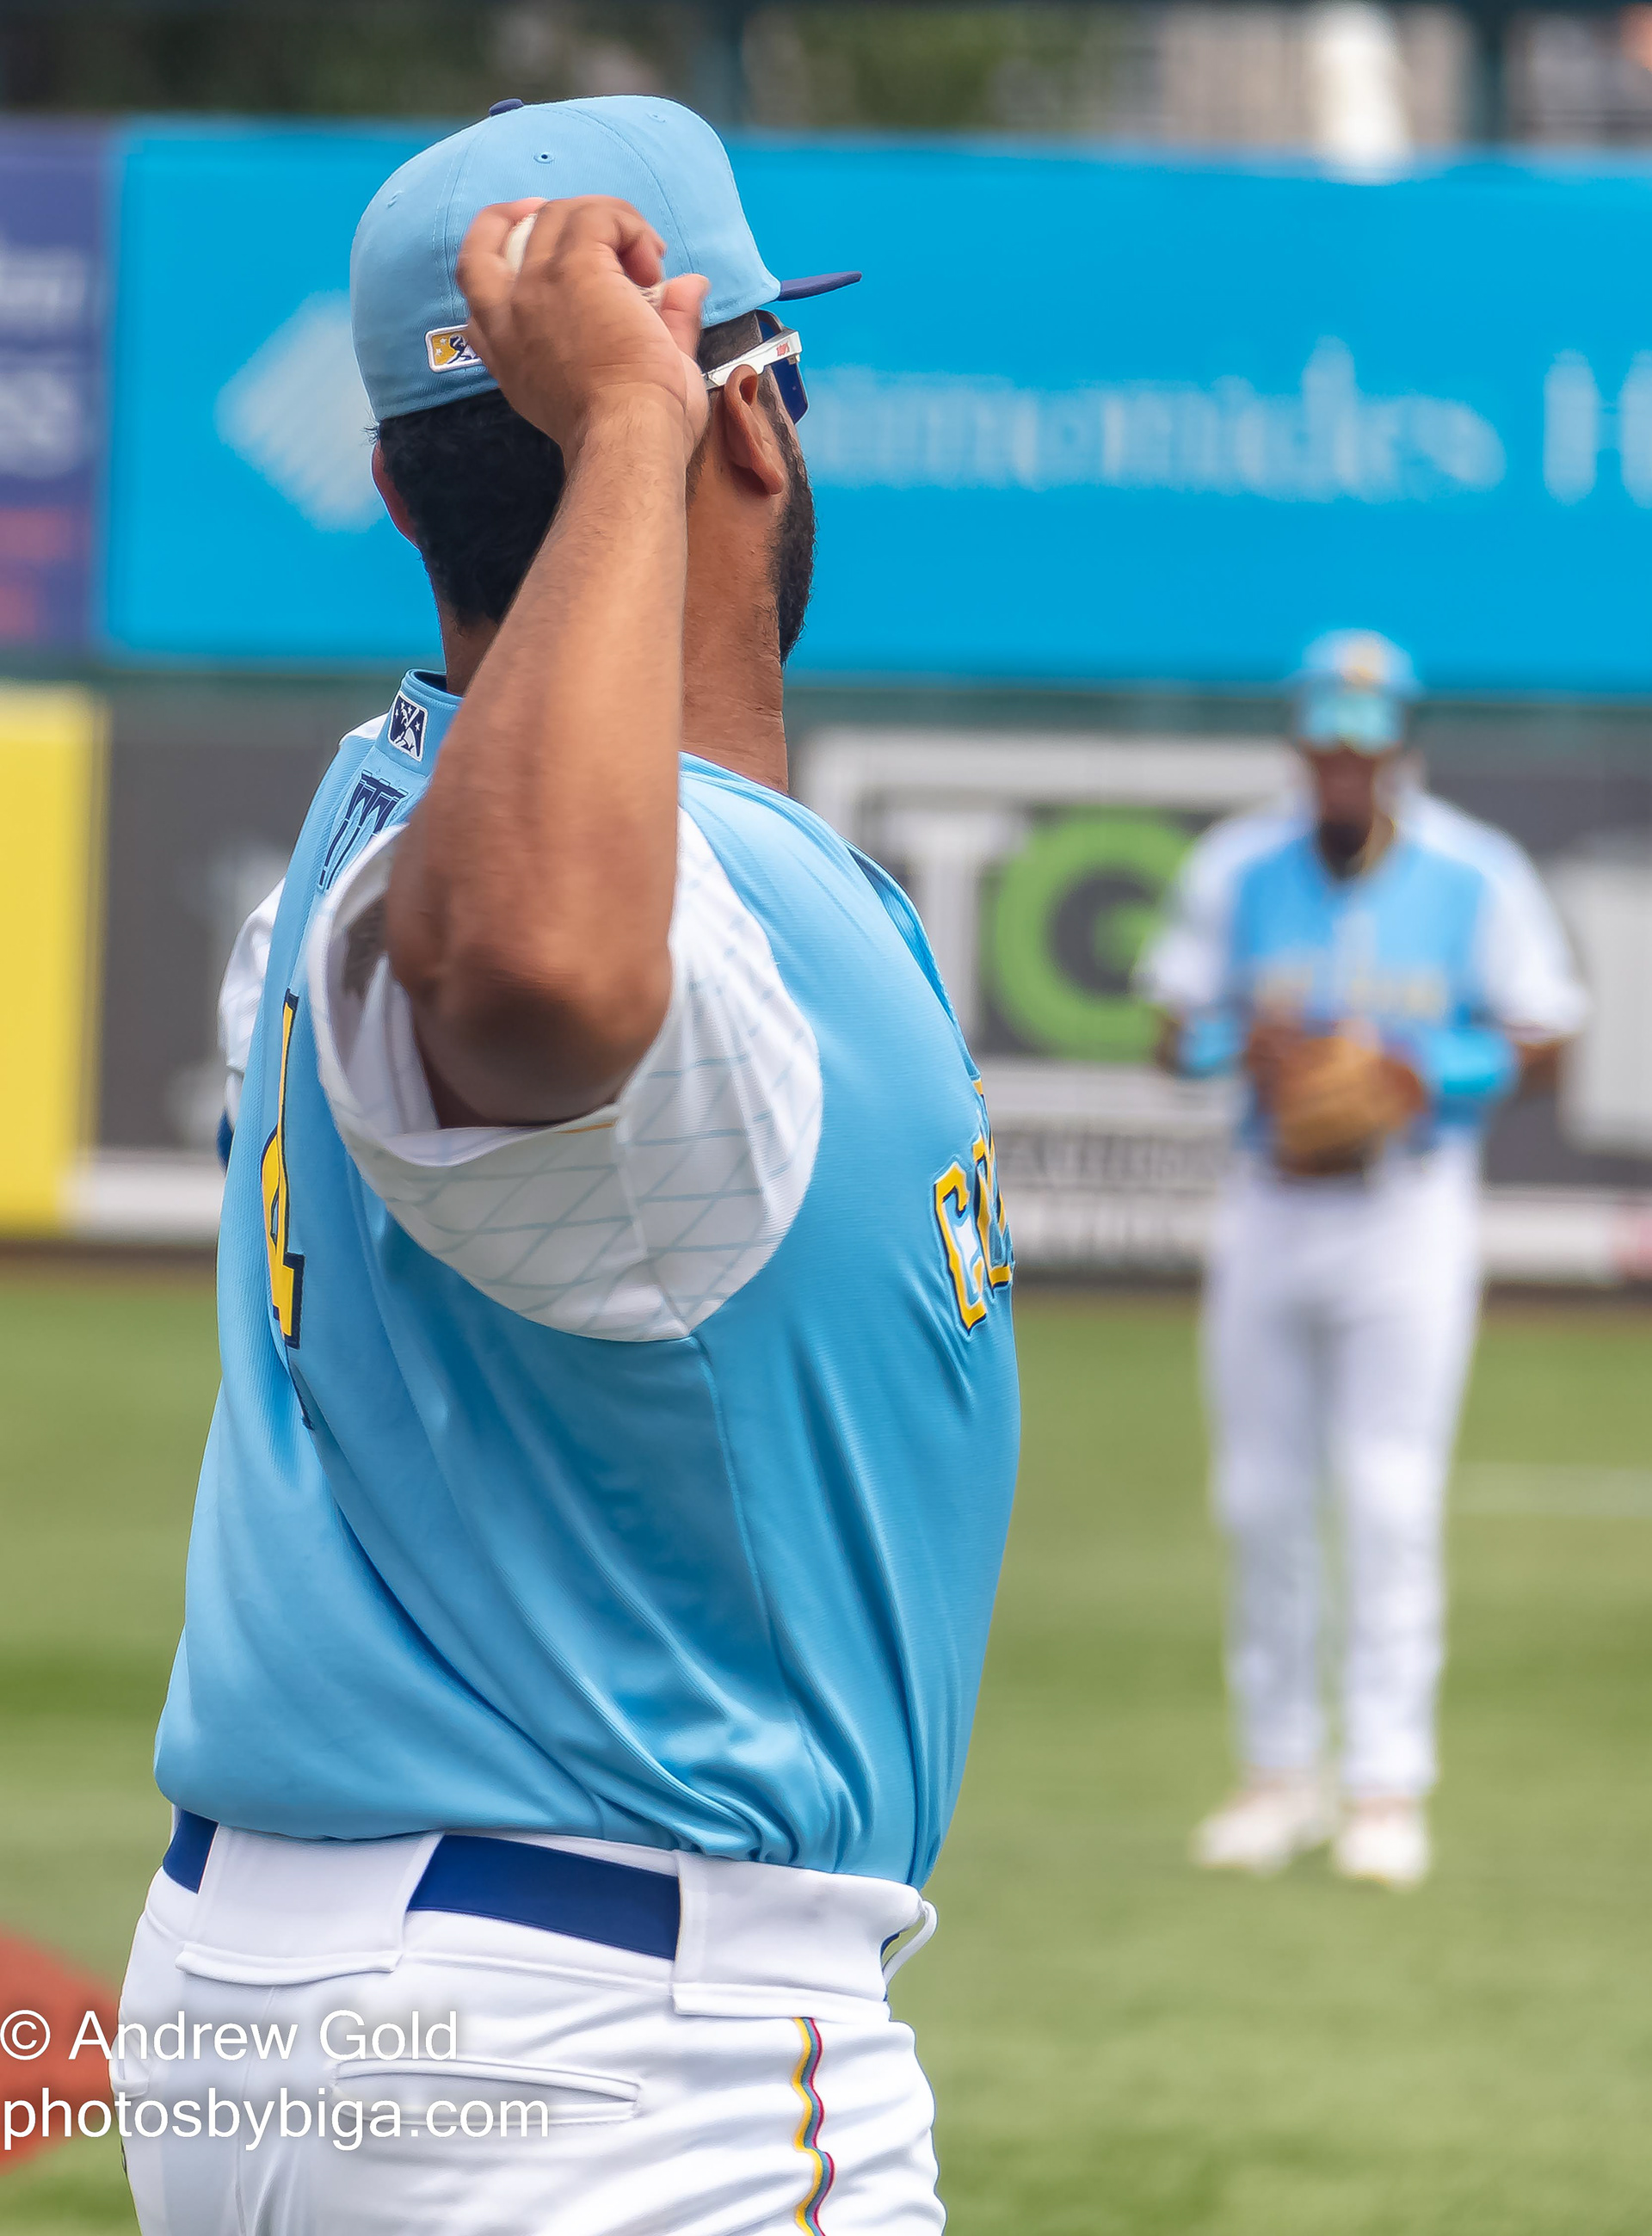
{"x":406,"y":731}
{"x":447,"y":349}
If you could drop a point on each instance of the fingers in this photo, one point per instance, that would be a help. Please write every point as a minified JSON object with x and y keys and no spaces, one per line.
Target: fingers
{"x":680,"y":306}
{"x":563,"y":298}
{"x":594,"y":222}
{"x":1270,"y":1052}
{"x":639,"y":248}
{"x":598,"y":222}
{"x":485,"y":279}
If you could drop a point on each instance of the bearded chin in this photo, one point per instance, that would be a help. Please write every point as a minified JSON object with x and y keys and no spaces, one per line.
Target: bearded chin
{"x":792,"y":561}
{"x":1342,"y":842}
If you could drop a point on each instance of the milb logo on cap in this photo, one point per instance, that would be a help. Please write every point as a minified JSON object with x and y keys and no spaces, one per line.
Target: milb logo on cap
{"x":447,"y":349}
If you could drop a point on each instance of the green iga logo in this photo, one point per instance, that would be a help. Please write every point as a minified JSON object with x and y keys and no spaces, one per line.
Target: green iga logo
{"x":1071,"y":913}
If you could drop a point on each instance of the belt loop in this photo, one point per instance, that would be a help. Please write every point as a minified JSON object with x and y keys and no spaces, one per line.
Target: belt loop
{"x":898,"y":1951}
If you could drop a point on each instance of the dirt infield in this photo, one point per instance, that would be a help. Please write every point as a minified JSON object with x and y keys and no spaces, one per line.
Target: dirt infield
{"x":43,"y":2003}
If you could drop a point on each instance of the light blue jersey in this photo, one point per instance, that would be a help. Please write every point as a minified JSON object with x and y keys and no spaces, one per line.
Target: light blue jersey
{"x":1447,"y":949}
{"x":645,"y":1479}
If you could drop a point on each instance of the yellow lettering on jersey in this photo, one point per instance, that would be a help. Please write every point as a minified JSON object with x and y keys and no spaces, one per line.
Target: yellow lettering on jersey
{"x":287,"y":1266}
{"x":982,"y":1153}
{"x":991,"y":1222}
{"x":958,"y":1237}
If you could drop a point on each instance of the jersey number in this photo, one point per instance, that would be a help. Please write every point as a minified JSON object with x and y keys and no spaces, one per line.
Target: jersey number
{"x":287,"y":1266}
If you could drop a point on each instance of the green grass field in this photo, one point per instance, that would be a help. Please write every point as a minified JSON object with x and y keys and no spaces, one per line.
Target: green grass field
{"x":1120,"y":2047}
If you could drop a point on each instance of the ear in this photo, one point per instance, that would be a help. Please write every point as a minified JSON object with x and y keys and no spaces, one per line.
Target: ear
{"x":750,"y":440}
{"x":393,"y":495}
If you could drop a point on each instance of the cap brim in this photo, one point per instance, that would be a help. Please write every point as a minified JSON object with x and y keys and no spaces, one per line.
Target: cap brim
{"x":823,"y":283}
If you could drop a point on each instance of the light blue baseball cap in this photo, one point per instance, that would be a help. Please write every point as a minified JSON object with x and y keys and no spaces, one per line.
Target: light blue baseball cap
{"x":1353,"y":688}
{"x":405,"y":308}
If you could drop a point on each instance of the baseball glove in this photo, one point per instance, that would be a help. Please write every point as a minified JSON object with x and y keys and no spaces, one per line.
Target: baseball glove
{"x":1335,"y":1102}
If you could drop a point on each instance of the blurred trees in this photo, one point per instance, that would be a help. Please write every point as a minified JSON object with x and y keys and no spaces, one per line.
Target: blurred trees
{"x":1026,"y":67}
{"x":1031,"y":68}
{"x":352,"y":58}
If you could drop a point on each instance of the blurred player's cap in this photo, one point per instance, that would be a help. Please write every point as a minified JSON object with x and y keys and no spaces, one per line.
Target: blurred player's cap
{"x":405,"y":307}
{"x":1353,"y":688}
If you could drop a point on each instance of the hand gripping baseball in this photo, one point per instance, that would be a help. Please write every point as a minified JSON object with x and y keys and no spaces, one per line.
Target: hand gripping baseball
{"x":570,"y":336}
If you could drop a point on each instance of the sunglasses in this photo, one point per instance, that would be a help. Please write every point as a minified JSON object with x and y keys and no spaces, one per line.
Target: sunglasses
{"x":1368,"y":721}
{"x":781,"y":352}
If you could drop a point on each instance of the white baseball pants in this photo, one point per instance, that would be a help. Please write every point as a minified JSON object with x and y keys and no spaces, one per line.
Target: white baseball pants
{"x":554,"y":2087}
{"x":1339,"y":1319}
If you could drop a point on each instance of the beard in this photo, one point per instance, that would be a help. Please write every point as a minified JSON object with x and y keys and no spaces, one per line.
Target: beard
{"x":791,"y":563}
{"x":1342,"y":844}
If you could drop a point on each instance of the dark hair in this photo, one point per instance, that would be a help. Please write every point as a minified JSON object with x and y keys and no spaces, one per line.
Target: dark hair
{"x":481,"y":485}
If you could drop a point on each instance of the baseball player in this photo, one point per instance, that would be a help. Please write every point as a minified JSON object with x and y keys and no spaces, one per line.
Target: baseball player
{"x":1384,"y":970}
{"x":600,"y":1524}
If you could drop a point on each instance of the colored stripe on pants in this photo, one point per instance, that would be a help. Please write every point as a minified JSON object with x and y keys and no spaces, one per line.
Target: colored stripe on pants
{"x":821,"y":2169}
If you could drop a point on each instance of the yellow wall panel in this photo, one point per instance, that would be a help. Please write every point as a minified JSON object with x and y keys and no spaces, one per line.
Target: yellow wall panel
{"x":51,"y":841}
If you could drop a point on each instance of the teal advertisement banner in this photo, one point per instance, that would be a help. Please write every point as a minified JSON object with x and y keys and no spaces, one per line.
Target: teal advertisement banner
{"x":243,"y":523}
{"x":1087,"y":420}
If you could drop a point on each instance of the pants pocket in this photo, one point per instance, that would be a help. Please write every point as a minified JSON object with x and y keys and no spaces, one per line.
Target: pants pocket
{"x":478,"y":2097}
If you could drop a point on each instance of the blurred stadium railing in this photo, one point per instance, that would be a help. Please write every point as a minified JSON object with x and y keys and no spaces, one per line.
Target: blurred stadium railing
{"x":1036,"y":858}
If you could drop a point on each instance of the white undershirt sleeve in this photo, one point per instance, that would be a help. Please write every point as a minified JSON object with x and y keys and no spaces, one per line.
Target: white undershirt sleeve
{"x":241,"y":993}
{"x":1185,"y":966}
{"x":1529,"y":981}
{"x":636,"y":1222}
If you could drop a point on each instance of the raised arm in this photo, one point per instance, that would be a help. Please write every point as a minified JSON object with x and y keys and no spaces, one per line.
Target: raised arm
{"x":530,"y":903}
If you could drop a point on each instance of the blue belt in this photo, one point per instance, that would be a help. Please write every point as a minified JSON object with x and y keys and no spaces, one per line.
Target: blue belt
{"x":584,"y":1896}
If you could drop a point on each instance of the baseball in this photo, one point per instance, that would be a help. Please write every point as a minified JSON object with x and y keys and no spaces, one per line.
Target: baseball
{"x":516,"y":241}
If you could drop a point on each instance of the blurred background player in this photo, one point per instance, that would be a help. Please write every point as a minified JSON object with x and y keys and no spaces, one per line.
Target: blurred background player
{"x":1384,"y":970}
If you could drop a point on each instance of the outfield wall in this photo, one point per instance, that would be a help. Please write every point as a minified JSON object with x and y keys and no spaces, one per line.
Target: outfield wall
{"x":1037,"y":858}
